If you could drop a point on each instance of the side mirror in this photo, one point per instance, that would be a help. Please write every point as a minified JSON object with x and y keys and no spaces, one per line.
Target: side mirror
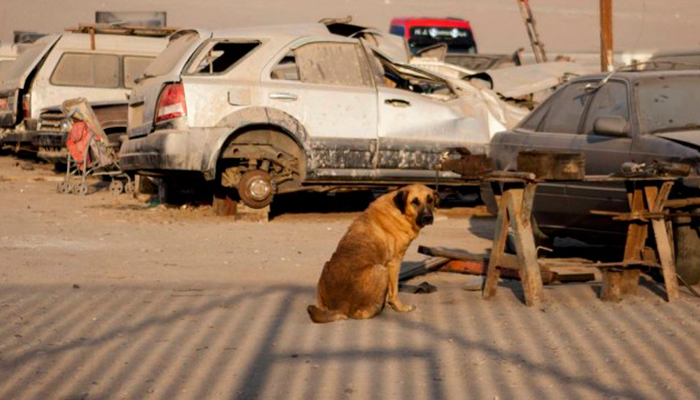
{"x":611,"y":126}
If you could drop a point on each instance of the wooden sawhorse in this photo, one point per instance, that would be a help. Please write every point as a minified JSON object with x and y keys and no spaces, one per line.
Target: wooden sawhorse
{"x":515,"y":193}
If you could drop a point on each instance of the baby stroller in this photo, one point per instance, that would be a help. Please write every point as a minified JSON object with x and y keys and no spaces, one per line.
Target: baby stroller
{"x":90,"y":153}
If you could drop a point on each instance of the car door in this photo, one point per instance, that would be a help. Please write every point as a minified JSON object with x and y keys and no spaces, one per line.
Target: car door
{"x":327,"y":87}
{"x":605,"y":155}
{"x":419,"y":117}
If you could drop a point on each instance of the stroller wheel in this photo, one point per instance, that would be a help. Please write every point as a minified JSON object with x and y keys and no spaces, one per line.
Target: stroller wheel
{"x":130,"y":187}
{"x":80,"y":188}
{"x":116,"y":187}
{"x":64,"y":187}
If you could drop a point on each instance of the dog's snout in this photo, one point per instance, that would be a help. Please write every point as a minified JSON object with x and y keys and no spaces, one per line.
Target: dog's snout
{"x":425,"y":217}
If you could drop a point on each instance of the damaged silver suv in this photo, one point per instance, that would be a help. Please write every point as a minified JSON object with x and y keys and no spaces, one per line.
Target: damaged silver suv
{"x":264,"y":111}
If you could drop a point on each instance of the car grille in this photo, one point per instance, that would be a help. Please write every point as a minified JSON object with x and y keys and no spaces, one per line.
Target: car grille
{"x":51,"y":121}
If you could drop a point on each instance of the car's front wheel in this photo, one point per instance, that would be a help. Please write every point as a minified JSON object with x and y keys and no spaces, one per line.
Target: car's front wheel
{"x":687,"y":246}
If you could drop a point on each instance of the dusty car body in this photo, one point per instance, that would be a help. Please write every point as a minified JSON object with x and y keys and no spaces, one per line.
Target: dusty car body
{"x":8,"y":53}
{"x":307,"y":107}
{"x":526,"y":85}
{"x":640,"y":117}
{"x":100,"y":67}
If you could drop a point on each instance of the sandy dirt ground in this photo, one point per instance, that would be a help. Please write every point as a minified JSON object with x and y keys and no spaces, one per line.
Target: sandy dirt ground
{"x":104,"y":297}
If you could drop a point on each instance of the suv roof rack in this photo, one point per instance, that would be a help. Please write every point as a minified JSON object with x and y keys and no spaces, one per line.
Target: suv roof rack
{"x":115,"y":29}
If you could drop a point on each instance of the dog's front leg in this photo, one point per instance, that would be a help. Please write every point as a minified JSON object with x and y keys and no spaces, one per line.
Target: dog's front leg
{"x":394,"y":267}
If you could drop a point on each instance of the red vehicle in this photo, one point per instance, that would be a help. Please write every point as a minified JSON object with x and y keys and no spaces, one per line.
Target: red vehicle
{"x":425,"y":32}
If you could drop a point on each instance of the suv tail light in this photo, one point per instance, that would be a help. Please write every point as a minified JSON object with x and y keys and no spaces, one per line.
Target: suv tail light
{"x":171,"y":103}
{"x":27,"y":106}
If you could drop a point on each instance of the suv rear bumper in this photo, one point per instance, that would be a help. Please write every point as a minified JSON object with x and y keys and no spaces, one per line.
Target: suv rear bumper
{"x":174,"y":150}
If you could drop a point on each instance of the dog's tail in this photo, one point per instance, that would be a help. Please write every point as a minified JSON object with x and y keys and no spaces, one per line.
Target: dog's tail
{"x":320,"y":316}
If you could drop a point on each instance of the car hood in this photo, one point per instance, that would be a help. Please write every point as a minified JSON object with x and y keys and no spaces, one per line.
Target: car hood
{"x":687,"y":137}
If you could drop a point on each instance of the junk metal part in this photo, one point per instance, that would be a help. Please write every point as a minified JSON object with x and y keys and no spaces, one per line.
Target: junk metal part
{"x":553,"y":165}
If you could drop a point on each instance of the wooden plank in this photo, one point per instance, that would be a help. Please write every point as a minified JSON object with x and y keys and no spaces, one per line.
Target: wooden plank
{"x":525,"y":245}
{"x":499,"y":244}
{"x":453,"y":254}
{"x":412,"y":270}
{"x":656,"y":199}
{"x":637,"y":233}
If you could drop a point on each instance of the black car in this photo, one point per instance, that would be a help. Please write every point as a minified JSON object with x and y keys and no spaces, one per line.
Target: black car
{"x":639,"y":117}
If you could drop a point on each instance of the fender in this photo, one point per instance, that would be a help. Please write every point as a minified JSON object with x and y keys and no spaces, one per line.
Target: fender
{"x":253,"y":116}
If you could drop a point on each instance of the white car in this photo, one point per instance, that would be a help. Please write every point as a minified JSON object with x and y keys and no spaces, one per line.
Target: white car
{"x":100,"y":67}
{"x":281,"y":109}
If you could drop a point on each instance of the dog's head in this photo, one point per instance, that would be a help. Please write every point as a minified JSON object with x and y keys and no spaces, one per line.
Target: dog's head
{"x":417,"y":203}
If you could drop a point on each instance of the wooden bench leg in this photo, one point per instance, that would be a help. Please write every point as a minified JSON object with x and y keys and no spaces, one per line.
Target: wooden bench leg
{"x":612,"y":286}
{"x":520,"y":211}
{"x":668,"y":267}
{"x":497,"y":249}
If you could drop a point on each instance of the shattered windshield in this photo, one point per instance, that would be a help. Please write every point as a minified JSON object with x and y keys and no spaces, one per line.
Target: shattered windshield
{"x":669,"y":103}
{"x":171,"y":56}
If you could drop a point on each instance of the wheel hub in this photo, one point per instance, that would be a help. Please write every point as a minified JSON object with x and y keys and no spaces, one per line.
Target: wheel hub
{"x":259,"y":189}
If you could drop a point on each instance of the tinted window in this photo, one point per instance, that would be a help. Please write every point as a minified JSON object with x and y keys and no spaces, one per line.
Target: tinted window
{"x":221,"y":57}
{"x":565,"y":113}
{"x":610,"y":100}
{"x":332,"y":64}
{"x":90,"y":70}
{"x":397,"y":30}
{"x":669,"y":103}
{"x":133,"y":68}
{"x":533,"y":120}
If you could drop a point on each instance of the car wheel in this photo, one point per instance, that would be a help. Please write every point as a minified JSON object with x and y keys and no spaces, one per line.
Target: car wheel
{"x":256,"y":189}
{"x":687,"y":244}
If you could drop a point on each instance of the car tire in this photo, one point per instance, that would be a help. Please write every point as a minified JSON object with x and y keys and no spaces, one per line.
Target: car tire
{"x":256,"y":189}
{"x":687,"y":246}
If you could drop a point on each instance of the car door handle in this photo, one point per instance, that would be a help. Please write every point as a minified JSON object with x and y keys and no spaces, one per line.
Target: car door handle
{"x":397,"y":102}
{"x":283,"y":96}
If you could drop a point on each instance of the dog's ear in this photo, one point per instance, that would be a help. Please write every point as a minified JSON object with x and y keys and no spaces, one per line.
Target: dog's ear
{"x":400,"y":200}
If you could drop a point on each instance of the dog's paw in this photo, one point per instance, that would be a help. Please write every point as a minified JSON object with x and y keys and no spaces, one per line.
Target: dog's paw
{"x":398,"y":307}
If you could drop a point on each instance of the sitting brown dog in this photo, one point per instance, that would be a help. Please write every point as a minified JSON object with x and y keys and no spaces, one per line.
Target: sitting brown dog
{"x":363,"y":273}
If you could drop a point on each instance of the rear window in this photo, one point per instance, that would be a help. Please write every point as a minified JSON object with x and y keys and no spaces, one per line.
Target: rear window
{"x":219,"y":57}
{"x":177,"y":48}
{"x":91,"y":70}
{"x":133,"y":68}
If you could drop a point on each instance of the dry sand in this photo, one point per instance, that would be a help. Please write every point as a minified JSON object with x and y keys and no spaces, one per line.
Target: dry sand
{"x":102,"y":297}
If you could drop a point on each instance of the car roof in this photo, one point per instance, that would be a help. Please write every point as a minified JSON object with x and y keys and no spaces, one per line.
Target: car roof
{"x":120,"y":43}
{"x":291,"y":31}
{"x":638,"y":75}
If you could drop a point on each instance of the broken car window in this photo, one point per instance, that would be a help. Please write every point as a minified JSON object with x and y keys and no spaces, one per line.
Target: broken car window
{"x":403,"y":77}
{"x":133,"y":68}
{"x":286,"y":69}
{"x":178,"y":47}
{"x":610,"y":100}
{"x":221,"y":57}
{"x":339,"y":64}
{"x":669,"y":103}
{"x":90,"y":70}
{"x":565,"y":114}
